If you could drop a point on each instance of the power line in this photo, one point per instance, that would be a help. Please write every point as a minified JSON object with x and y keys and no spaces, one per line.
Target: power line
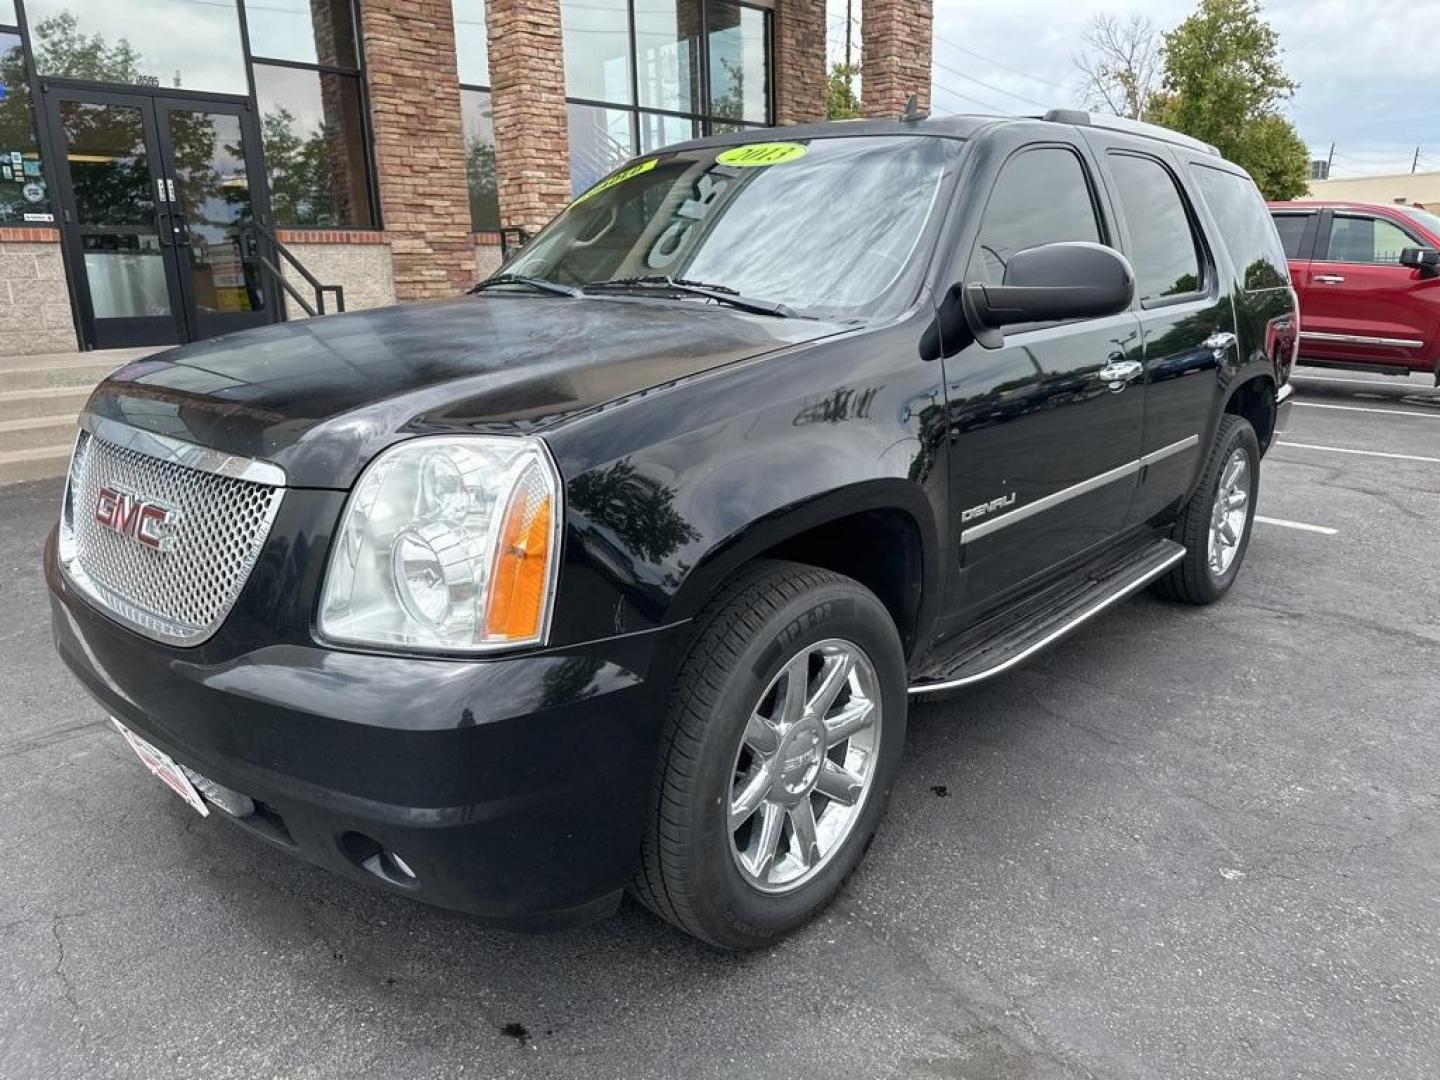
{"x":991,"y":60}
{"x":991,"y":86}
{"x":966,"y":97}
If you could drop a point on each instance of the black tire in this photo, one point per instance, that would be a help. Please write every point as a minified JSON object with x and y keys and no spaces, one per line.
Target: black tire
{"x":1192,"y":580}
{"x":744,"y":637}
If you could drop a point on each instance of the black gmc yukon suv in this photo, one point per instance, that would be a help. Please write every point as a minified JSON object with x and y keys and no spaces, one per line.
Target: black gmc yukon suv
{"x":621,"y":571}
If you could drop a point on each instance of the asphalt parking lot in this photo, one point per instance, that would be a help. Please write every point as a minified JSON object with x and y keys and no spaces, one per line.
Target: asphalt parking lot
{"x":1185,"y":842}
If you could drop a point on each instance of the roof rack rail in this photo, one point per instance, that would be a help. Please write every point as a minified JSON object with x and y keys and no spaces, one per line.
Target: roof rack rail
{"x":1133,"y":127}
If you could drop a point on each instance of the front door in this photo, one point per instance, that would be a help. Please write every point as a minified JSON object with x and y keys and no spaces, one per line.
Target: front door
{"x":1046,"y":429}
{"x":155,"y":194}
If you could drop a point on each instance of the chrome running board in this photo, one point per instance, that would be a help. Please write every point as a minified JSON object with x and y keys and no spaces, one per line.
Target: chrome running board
{"x":1022,"y":638}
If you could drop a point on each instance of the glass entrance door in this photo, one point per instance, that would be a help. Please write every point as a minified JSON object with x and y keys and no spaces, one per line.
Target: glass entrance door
{"x":155,"y":194}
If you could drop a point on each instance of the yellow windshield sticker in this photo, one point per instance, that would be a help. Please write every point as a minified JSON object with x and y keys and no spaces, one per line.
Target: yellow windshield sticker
{"x":764,"y":153}
{"x":618,"y":178}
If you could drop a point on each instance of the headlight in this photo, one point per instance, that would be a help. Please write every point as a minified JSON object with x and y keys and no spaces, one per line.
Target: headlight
{"x":447,"y":543}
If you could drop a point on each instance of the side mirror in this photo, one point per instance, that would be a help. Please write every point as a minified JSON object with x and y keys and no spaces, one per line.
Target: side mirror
{"x":1050,"y":283}
{"x":1424,"y":259}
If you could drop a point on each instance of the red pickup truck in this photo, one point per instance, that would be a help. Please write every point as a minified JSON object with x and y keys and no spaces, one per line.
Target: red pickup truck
{"x":1368,"y":277}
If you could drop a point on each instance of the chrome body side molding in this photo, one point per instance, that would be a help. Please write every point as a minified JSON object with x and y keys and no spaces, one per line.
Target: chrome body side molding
{"x":1361,"y":339}
{"x":1049,"y":502}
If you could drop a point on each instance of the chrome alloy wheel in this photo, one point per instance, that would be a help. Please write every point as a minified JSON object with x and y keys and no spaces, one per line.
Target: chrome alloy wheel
{"x":1230,"y":514}
{"x":805,"y":765}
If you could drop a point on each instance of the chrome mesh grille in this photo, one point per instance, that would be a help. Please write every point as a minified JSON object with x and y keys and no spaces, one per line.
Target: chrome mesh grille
{"x":182,"y":592}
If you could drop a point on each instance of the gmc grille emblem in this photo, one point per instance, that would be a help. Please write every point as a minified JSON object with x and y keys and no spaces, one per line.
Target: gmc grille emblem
{"x":146,"y":523}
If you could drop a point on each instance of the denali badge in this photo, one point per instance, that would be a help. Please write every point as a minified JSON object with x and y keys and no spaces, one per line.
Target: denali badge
{"x":987,"y":508}
{"x":129,"y":515}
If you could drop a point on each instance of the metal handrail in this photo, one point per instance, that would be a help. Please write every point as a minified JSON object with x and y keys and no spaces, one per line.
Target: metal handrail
{"x":280,"y":279}
{"x":512,"y":238}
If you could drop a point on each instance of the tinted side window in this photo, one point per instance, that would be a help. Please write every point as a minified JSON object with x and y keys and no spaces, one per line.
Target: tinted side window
{"x":1246,"y":227}
{"x":1366,"y":240}
{"x":1042,"y":196}
{"x":1163,"y":249}
{"x":1291,"y":228}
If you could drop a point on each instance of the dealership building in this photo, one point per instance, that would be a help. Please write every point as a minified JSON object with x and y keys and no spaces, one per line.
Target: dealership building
{"x":175,"y":169}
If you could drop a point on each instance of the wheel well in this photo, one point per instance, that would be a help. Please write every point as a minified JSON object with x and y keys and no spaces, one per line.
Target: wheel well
{"x":1255,"y":401}
{"x":881,"y":549}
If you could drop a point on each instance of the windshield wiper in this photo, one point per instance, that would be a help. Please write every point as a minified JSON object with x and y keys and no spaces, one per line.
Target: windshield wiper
{"x":538,"y":284}
{"x":722,"y":294}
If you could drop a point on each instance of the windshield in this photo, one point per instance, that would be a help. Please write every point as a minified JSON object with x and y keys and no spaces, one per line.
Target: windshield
{"x":1425,"y":217}
{"x":823,"y":226}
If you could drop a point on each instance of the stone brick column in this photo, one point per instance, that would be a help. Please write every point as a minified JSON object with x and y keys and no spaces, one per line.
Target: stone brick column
{"x":800,"y":61}
{"x":527,"y":93}
{"x":895,"y":43}
{"x":419,"y":145}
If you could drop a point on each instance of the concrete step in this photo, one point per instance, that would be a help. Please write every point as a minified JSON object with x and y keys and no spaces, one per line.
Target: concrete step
{"x":36,"y":431}
{"x":50,"y":401}
{"x":16,"y":374}
{"x":37,"y":463}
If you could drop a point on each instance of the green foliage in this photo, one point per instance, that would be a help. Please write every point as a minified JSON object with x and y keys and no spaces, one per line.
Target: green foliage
{"x":484,"y":188}
{"x":840,"y":100}
{"x":1224,"y":83}
{"x":301,"y":172}
{"x":60,"y":49}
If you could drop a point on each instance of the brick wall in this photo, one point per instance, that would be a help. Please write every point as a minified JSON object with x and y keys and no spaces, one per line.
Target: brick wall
{"x":895,"y":42}
{"x":527,"y":87}
{"x":419,"y":145}
{"x":359,"y":262}
{"x":800,"y":60}
{"x":34,"y":304}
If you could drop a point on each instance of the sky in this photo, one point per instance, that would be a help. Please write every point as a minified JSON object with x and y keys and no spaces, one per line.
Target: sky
{"x":1368,"y":70}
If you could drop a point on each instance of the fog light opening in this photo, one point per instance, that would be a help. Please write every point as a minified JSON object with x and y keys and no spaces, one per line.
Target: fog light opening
{"x":369,"y":854}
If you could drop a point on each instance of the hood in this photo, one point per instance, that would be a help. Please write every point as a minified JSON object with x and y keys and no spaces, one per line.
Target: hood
{"x":321,"y":397}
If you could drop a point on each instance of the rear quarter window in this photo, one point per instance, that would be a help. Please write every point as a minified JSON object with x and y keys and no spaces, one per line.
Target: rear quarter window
{"x":1246,"y":227}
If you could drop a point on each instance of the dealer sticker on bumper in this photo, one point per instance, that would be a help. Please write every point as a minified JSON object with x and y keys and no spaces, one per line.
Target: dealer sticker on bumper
{"x":165,"y":767}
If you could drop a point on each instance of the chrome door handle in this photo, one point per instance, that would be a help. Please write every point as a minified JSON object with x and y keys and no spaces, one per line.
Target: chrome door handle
{"x":1220,"y":341}
{"x":1329,"y":279}
{"x":1120,"y":373}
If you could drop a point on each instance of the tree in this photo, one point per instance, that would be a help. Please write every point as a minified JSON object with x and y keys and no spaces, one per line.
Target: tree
{"x":60,"y":49}
{"x":1224,"y":84}
{"x":841,"y":103}
{"x":1121,"y":65}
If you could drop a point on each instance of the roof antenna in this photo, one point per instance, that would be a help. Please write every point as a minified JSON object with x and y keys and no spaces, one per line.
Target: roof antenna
{"x":913,"y":111}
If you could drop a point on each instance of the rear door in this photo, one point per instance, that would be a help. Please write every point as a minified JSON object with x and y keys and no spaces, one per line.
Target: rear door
{"x":1298,"y":229}
{"x":1359,"y":304}
{"x":1187,"y":320}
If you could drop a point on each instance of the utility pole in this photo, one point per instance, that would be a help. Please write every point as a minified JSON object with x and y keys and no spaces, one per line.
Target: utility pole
{"x":1415,"y":161}
{"x":1329,"y":161}
{"x":848,"y":25}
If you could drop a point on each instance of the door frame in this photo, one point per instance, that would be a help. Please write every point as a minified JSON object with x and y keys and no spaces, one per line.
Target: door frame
{"x":200,"y":324}
{"x":151,"y":100}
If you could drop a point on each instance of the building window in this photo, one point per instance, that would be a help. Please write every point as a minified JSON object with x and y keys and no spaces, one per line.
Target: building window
{"x":641,"y":74}
{"x":472,"y":50}
{"x":24,"y":193}
{"x":306,"y":67}
{"x":175,"y":44}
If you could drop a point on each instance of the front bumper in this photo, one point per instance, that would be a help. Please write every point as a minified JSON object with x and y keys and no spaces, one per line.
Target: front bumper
{"x":512,"y":788}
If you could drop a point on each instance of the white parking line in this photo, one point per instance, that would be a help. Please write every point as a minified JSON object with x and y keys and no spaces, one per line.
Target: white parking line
{"x":1323,"y":530}
{"x":1361,"y":453}
{"x":1364,"y":408}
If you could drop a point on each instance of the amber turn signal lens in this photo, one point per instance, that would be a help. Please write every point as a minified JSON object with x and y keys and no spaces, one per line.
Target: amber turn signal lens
{"x":520,"y":578}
